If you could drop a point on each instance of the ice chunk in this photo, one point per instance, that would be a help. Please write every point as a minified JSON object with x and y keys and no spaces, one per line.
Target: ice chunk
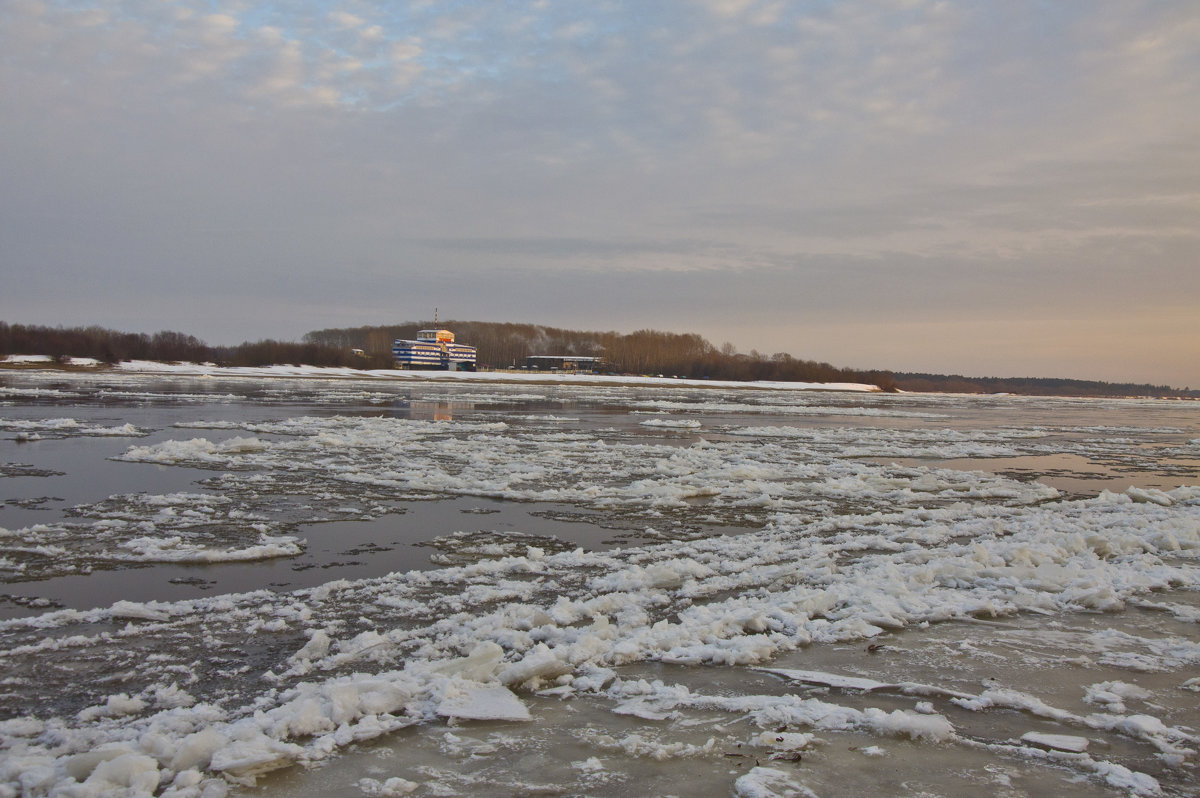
{"x":474,"y":701}
{"x":115,"y":706}
{"x":785,"y":741}
{"x":1112,"y":695}
{"x":1150,"y":495}
{"x":641,"y":708}
{"x":676,"y":423}
{"x":832,"y":680}
{"x":316,"y":647}
{"x":130,"y":609}
{"x":170,"y":696}
{"x":934,"y":728}
{"x":362,"y":644}
{"x":22,"y":727}
{"x":244,"y":760}
{"x":1123,"y":778}
{"x":196,"y":750}
{"x":763,"y":782}
{"x":386,"y":789}
{"x":128,"y":773}
{"x":1058,"y":742}
{"x":242,"y":445}
{"x":1013,"y":699}
{"x":590,"y":765}
{"x":80,"y":766}
{"x":539,"y":663}
{"x":479,"y":666}
{"x":841,"y":682}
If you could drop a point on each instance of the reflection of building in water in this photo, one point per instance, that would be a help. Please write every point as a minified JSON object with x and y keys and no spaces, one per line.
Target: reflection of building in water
{"x":430,"y":410}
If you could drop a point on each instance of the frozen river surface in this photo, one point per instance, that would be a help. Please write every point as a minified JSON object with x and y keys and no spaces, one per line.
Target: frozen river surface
{"x":279,"y":587}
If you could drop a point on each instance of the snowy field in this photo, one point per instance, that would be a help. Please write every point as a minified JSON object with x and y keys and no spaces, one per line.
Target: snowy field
{"x":256,"y":584}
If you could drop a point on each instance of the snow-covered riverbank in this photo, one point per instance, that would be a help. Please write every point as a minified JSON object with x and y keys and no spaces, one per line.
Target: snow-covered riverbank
{"x":210,"y":370}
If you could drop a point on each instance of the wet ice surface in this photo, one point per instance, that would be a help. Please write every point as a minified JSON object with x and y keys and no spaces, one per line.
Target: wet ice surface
{"x":292,"y":587}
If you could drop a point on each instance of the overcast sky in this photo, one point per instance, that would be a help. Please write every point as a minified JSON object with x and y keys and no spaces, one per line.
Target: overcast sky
{"x":996,"y":188}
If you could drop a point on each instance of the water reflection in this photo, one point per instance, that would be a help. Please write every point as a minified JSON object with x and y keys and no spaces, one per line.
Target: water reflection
{"x":429,"y":410}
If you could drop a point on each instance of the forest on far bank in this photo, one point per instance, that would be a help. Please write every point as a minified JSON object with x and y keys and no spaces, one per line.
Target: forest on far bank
{"x":506,"y":345}
{"x":502,"y":345}
{"x":1034,"y":386}
{"x":113,"y":346}
{"x":499,"y":346}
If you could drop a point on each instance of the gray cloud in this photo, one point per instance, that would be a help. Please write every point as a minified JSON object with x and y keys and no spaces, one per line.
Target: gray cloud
{"x":745,"y":169}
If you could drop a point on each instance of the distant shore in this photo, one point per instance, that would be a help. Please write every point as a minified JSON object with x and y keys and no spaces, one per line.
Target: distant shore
{"x":950,"y":386}
{"x":213,"y":371}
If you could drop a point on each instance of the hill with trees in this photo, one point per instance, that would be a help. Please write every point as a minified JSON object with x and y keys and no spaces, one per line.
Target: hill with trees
{"x":111,"y":346}
{"x":503,"y":345}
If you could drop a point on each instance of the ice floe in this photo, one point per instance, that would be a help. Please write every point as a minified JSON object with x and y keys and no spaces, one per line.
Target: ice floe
{"x":29,"y":429}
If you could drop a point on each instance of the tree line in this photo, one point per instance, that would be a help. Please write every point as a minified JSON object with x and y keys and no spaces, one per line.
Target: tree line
{"x":112,"y":346}
{"x":502,"y":345}
{"x":1034,"y":386}
{"x":507,"y":344}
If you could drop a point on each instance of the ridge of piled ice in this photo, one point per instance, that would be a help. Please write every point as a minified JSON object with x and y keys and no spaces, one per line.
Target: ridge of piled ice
{"x":492,"y":459}
{"x":671,"y":423}
{"x":788,"y":407}
{"x":184,"y":527}
{"x":67,"y":427}
{"x":1146,"y":728}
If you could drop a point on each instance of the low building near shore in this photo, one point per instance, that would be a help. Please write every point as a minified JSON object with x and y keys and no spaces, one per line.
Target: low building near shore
{"x":570,"y":363}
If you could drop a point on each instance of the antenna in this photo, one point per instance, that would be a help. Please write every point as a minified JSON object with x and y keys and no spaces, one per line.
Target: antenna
{"x":435,"y":317}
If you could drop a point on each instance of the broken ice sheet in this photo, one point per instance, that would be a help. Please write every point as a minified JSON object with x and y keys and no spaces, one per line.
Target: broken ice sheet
{"x":473,"y":701}
{"x":1059,"y":742}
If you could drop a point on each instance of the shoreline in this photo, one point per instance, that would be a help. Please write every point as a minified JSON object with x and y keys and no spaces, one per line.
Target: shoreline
{"x":23,"y":363}
{"x":91,"y":366}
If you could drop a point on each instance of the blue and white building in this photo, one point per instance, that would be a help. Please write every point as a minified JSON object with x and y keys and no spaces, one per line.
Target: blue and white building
{"x":434,"y":350}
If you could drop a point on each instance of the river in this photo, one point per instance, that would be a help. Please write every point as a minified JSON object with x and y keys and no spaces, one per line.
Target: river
{"x":296,"y":586}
